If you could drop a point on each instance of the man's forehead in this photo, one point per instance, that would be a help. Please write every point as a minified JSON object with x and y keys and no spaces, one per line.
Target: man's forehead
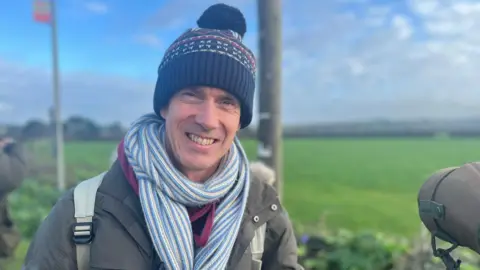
{"x":212,"y":91}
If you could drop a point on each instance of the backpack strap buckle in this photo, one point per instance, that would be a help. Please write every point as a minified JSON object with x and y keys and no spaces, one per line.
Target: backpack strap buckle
{"x":84,"y":196}
{"x":83,"y":231}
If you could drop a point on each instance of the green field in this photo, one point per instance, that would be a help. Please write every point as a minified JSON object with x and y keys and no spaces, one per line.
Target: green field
{"x":358,"y":184}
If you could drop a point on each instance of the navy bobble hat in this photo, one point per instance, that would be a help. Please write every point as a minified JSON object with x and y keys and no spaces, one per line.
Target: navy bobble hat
{"x":211,"y":55}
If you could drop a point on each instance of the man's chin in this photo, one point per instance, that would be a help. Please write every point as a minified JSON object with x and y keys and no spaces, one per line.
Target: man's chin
{"x":197,"y":169}
{"x":200,"y":167}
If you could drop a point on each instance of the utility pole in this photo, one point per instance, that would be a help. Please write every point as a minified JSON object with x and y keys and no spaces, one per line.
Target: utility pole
{"x":270,"y":148}
{"x":44,"y":12}
{"x":57,"y":102}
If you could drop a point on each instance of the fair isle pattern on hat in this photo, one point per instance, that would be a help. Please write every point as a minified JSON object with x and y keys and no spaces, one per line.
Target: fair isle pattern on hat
{"x":225,"y":33}
{"x":211,"y":40}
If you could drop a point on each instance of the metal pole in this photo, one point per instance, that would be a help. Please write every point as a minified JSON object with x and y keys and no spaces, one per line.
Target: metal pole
{"x":57,"y":102}
{"x":52,"y":130}
{"x":270,"y":69}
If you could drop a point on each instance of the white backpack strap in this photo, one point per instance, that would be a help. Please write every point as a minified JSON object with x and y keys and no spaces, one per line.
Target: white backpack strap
{"x":257,"y":243}
{"x":84,"y":199}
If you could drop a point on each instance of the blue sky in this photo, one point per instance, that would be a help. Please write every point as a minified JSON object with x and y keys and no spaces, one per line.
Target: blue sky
{"x":343,"y":59}
{"x":112,"y":37}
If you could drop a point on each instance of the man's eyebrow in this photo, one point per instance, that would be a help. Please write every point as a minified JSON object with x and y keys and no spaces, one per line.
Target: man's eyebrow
{"x":228,"y":95}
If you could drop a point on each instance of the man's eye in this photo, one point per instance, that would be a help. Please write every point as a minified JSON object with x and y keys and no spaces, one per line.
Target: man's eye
{"x":188,"y":94}
{"x":229,"y":103}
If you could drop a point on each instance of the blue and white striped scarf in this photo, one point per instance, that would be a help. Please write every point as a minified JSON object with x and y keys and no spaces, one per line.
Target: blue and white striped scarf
{"x":165,"y":193}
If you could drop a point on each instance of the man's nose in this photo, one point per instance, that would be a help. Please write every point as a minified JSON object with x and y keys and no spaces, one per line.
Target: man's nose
{"x":207,"y":116}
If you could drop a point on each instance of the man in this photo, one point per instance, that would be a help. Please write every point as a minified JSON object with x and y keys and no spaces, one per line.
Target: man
{"x":180,"y":194}
{"x":12,"y":172}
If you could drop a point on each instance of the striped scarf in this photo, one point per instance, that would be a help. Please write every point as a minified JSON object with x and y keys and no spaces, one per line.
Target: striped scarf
{"x":165,"y":193}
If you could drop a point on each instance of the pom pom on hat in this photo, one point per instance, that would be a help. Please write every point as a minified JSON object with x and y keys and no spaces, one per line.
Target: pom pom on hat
{"x":223,"y":17}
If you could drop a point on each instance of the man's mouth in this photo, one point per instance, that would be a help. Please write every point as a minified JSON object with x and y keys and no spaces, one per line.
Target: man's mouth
{"x":205,"y":141}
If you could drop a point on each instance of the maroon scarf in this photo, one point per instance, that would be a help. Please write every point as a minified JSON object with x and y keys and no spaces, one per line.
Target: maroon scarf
{"x":200,"y":217}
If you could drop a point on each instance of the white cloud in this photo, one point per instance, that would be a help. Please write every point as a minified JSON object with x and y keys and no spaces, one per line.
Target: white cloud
{"x":5,"y":107}
{"x":150,"y":40}
{"x":466,"y":8}
{"x":97,"y":7}
{"x":377,"y":15}
{"x":424,"y":7}
{"x":403,"y":26}
{"x":104,"y":98}
{"x":403,"y":70}
{"x":356,"y":67}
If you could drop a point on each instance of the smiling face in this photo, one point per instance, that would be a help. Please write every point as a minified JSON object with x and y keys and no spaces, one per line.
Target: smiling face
{"x":201,"y":124}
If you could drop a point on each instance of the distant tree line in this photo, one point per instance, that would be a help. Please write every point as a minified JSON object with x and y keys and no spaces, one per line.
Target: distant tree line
{"x":384,"y":128}
{"x":75,"y":128}
{"x":78,"y":128}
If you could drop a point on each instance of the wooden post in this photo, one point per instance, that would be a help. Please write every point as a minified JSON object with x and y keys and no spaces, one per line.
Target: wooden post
{"x":270,"y":71}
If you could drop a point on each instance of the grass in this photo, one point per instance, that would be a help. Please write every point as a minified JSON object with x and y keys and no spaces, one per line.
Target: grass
{"x":358,"y":184}
{"x":15,"y":263}
{"x":365,"y":184}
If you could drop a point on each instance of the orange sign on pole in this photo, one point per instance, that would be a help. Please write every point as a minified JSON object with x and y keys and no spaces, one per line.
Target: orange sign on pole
{"x":42,"y":11}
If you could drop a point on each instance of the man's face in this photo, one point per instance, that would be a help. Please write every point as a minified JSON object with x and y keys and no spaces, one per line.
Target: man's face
{"x":201,"y":124}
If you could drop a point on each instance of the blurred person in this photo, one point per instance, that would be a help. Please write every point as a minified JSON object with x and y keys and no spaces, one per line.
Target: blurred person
{"x":12,"y":173}
{"x":181,"y":193}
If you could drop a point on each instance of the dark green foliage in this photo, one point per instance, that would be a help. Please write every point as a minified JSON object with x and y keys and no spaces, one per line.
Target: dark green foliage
{"x":30,"y":204}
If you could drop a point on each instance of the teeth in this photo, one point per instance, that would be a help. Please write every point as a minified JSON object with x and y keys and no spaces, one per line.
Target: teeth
{"x":200,"y":140}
